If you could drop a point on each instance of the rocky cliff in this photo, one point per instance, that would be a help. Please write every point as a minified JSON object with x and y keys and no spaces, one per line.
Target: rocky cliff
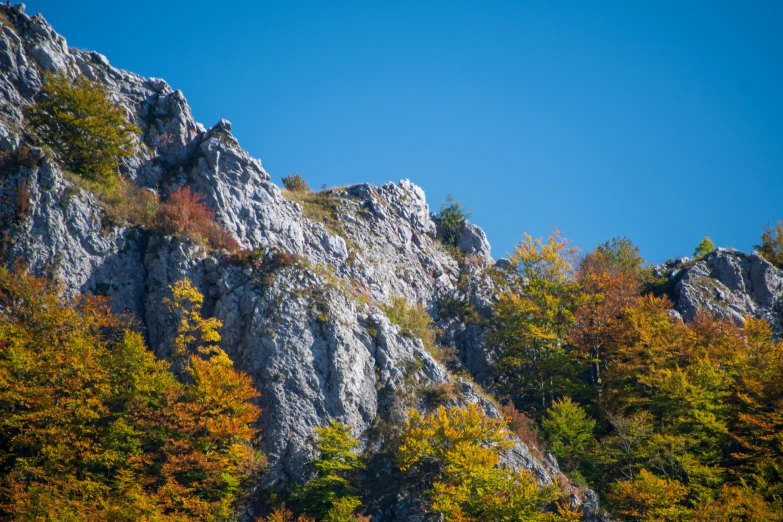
{"x":310,"y":331}
{"x":727,"y":284}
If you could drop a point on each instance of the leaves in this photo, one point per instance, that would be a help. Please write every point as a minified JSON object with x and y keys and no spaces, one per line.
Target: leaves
{"x":93,"y":426}
{"x":568,"y":432}
{"x":771,"y":247}
{"x":458,"y":450}
{"x":679,"y":410}
{"x":330,"y":495}
{"x":89,"y":132}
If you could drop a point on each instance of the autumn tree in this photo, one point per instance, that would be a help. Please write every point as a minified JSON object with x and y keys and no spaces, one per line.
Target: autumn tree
{"x":213,"y":452}
{"x":650,"y":498}
{"x":283,"y":514}
{"x":77,"y":120}
{"x":331,"y":494}
{"x":694,"y":403}
{"x":532,"y":321}
{"x":771,"y":247}
{"x":93,"y":427}
{"x":736,"y":504}
{"x":612,"y":276}
{"x":458,"y":451}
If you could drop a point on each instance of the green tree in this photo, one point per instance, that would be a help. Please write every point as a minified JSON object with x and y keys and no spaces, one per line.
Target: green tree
{"x":89,"y":133}
{"x":450,"y":218}
{"x":532,"y":321}
{"x":458,"y":450}
{"x":704,"y":248}
{"x":568,"y":432}
{"x":771,"y":247}
{"x":619,"y":254}
{"x":335,"y":469}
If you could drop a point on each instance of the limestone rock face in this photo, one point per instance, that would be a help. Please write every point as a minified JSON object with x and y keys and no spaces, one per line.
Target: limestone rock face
{"x":310,"y":331}
{"x":730,"y":285}
{"x":472,"y":240}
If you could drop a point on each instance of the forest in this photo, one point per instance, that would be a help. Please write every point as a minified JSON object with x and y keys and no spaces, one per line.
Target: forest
{"x":667,"y":420}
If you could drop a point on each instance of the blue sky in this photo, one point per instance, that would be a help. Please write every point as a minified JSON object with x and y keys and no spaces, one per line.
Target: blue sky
{"x":661,"y":121}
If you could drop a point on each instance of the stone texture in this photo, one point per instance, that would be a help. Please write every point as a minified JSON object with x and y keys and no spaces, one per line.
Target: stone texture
{"x":730,"y":285}
{"x":312,"y":335}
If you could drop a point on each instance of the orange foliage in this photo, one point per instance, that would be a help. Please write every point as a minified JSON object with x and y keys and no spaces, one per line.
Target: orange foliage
{"x":648,"y":497}
{"x":523,"y":427}
{"x":186,"y":214}
{"x":93,"y":427}
{"x":282,"y":514}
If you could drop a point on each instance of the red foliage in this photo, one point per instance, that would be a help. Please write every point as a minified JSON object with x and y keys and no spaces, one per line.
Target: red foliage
{"x":186,"y":214}
{"x":523,"y":427}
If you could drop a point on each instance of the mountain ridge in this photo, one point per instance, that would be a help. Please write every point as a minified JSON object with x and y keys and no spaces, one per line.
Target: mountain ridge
{"x":311,"y":330}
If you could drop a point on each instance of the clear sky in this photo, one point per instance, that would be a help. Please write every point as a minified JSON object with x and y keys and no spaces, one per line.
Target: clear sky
{"x":661,"y":121}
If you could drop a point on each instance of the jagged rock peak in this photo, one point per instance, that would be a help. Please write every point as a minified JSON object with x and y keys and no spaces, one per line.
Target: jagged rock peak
{"x":312,"y":332}
{"x":728,"y":284}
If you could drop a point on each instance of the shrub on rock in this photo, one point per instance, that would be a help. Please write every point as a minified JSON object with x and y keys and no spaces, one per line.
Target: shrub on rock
{"x":88,"y":132}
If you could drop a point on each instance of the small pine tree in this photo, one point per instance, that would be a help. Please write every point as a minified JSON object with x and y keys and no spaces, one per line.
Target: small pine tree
{"x":705,"y":247}
{"x":450,"y":218}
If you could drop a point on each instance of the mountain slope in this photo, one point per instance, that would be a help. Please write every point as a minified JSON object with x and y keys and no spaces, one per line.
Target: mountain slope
{"x":310,"y":330}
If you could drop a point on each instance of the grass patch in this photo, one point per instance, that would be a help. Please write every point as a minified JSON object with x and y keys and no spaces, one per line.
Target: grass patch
{"x":414,"y":322}
{"x":22,"y":156}
{"x":438,"y":394}
{"x":122,"y":202}
{"x":322,"y":207}
{"x":462,"y":310}
{"x":6,"y":20}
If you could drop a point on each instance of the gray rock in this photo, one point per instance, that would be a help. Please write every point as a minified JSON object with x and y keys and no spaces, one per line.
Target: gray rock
{"x":472,"y":240}
{"x":158,"y":85}
{"x":731,"y":285}
{"x":312,"y":335}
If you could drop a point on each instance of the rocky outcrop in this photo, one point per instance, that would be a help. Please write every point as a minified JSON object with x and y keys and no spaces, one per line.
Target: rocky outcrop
{"x":309,"y":329}
{"x":727,"y":284}
{"x":309,"y":326}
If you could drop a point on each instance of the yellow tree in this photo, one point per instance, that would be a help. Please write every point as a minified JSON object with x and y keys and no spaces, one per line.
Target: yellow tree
{"x":532,"y":321}
{"x":650,"y":499}
{"x":459,"y":451}
{"x":211,"y":447}
{"x":93,"y":427}
{"x":196,"y":335}
{"x":757,"y":410}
